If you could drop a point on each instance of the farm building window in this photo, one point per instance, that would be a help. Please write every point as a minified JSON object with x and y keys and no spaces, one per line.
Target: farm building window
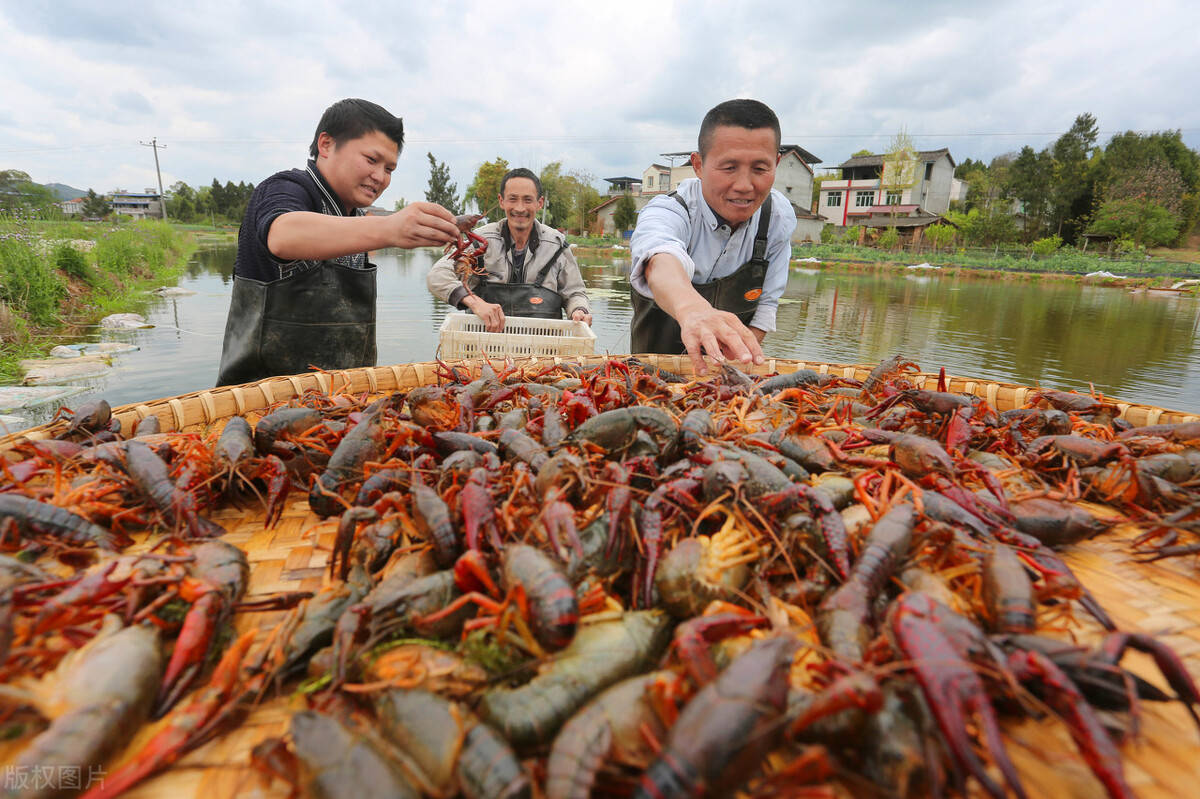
{"x":864,"y":199}
{"x":893,"y":198}
{"x":833,"y":200}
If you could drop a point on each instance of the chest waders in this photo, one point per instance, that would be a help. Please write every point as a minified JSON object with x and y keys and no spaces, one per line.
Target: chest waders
{"x":320,"y":316}
{"x":656,"y":331}
{"x":525,"y":299}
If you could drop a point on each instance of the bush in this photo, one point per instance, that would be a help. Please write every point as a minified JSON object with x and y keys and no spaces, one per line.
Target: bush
{"x":888,"y":238}
{"x":1144,"y":221}
{"x":116,"y":253}
{"x":129,"y":249}
{"x":73,"y":263}
{"x":27,"y":282}
{"x":1047,"y":246}
{"x":940,"y":235}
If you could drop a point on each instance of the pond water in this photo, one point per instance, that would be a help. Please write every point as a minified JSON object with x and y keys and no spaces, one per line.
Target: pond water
{"x":1137,"y":347}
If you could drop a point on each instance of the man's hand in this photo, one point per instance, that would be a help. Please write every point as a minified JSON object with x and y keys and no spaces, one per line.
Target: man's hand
{"x":719,"y":334}
{"x":422,"y":224}
{"x":491,"y":314}
{"x":581,"y":315}
{"x":704,"y":329}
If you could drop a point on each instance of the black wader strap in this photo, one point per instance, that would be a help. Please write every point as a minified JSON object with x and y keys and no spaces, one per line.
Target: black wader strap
{"x":679,"y":200}
{"x":545,"y":270}
{"x":760,"y":237}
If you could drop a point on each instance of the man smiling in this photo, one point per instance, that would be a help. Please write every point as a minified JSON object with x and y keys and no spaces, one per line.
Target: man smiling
{"x":710,"y":259}
{"x":529,"y":269}
{"x":303,"y":289}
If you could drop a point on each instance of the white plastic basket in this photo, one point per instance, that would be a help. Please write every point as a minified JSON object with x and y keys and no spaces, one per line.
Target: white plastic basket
{"x":464,"y":335}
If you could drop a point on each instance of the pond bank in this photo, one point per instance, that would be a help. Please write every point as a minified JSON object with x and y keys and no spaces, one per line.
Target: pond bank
{"x":57,"y":278}
{"x":942,"y":265}
{"x":1157,"y":282}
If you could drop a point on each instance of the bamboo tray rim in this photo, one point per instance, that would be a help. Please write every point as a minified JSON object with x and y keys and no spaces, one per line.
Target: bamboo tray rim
{"x":206,"y":406}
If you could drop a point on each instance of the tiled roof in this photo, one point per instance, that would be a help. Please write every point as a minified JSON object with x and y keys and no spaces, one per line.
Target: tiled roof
{"x":877,"y":160}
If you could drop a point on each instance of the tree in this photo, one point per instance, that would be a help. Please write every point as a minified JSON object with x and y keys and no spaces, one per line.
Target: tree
{"x":984,"y":229}
{"x":558,"y":200}
{"x":1158,"y":167}
{"x":625,"y":214}
{"x":899,"y":167}
{"x":400,"y":204}
{"x":181,"y":202}
{"x":1071,"y":189}
{"x":570,"y":198}
{"x":441,"y":190}
{"x":860,"y":153}
{"x":584,"y":199}
{"x":486,"y":187}
{"x":1144,"y":221}
{"x":95,"y":205}
{"x":1029,"y":181}
{"x":217,"y":197}
{"x":965,"y":167}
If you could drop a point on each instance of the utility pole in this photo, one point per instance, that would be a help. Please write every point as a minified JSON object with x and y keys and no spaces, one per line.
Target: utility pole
{"x":162,"y":198}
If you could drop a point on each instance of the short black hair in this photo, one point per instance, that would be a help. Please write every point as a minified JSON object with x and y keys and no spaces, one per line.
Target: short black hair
{"x":521,"y":172}
{"x":351,"y":118}
{"x":749,"y":114}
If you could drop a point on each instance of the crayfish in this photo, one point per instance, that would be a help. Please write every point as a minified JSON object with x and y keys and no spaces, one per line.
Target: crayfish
{"x":467,"y":251}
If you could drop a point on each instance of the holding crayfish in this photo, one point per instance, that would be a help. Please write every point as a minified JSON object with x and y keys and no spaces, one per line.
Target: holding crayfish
{"x":514,"y":267}
{"x":302,"y":251}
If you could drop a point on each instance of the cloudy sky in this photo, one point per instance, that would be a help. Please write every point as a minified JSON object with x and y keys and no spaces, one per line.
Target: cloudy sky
{"x":234,"y":89}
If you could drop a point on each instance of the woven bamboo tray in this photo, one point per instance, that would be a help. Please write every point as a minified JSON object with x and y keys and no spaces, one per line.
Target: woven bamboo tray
{"x":1160,"y":598}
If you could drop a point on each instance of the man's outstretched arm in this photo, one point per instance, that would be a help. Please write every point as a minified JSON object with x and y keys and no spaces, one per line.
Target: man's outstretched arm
{"x":310,"y":236}
{"x":704,"y":329}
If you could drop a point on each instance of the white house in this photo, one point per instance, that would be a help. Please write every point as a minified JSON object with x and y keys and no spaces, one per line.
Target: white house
{"x":657,"y":178}
{"x":139,"y":205}
{"x":926,"y":182}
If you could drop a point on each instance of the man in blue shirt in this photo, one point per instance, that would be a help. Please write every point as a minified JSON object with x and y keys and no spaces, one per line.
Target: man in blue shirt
{"x":710,"y":260}
{"x":303,"y":289}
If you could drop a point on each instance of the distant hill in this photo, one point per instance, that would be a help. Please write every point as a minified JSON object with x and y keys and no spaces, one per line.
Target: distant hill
{"x":64,"y":192}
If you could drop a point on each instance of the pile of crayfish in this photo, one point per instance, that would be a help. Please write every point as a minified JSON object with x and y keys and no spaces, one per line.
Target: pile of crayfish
{"x":567,"y":582}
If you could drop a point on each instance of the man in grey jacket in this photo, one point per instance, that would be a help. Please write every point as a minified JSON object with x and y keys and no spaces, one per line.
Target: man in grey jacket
{"x":530,"y":270}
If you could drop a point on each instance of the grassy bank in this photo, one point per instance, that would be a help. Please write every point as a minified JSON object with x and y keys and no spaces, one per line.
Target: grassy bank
{"x":58,"y":276}
{"x":1067,"y":261}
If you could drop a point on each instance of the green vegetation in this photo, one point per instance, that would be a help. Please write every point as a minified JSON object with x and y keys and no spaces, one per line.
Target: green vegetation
{"x":1139,"y":186}
{"x":625,"y":214}
{"x":486,"y":187}
{"x":1138,"y":220}
{"x":441,"y":189}
{"x":55,"y":275}
{"x":887,"y":239}
{"x":570,"y":198}
{"x":1061,"y":260}
{"x":598,"y":242}
{"x":215,"y":204}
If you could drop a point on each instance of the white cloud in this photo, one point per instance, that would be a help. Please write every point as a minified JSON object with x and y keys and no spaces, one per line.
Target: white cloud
{"x":234,"y":89}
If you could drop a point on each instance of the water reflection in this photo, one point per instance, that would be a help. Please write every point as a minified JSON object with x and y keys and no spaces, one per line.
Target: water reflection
{"x":1142,"y":348}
